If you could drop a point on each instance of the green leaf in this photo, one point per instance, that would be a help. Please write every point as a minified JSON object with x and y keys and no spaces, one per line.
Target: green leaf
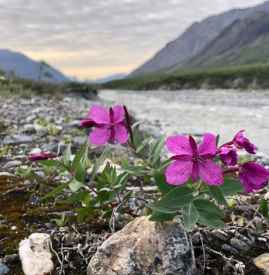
{"x":67,"y":156}
{"x":122,"y":180}
{"x":85,"y":213}
{"x":79,"y":164}
{"x":231,"y":187}
{"x":156,"y":151}
{"x":75,"y":185}
{"x":209,"y":213}
{"x":190,"y":216}
{"x":61,"y":221}
{"x":174,"y":200}
{"x":161,"y":217}
{"x":159,"y":178}
{"x":81,"y":156}
{"x":56,"y":191}
{"x":135,"y":170}
{"x":142,"y":147}
{"x":217,"y":194}
{"x":50,"y":163}
{"x":264,"y":209}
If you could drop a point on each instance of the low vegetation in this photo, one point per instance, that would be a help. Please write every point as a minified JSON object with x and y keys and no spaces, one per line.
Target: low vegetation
{"x":239,"y":77}
{"x":26,"y":88}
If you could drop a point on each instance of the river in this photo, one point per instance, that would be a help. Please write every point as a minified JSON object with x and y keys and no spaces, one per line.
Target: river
{"x":223,"y":112}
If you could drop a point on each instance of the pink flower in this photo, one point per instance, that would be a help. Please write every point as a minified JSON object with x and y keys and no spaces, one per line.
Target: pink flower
{"x":109,"y":125}
{"x":41,"y":156}
{"x":242,"y":142}
{"x":192,"y":161}
{"x":228,"y":155}
{"x":253,"y":176}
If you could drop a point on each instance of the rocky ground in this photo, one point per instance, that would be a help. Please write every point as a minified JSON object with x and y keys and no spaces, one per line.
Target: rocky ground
{"x":49,"y":124}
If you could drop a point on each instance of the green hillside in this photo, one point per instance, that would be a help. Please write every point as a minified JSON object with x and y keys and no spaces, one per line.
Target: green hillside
{"x":240,"y":77}
{"x":245,"y":42}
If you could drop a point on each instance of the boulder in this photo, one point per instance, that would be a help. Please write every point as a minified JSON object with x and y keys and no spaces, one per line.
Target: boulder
{"x":262,"y":262}
{"x":35,"y":255}
{"x":144,"y":247}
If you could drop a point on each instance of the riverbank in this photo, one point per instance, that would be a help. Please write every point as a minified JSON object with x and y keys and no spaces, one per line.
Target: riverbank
{"x":52,"y":123}
{"x":237,"y":77}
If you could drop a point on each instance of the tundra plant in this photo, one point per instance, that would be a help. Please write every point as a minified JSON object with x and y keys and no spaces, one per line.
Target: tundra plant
{"x":192,"y":184}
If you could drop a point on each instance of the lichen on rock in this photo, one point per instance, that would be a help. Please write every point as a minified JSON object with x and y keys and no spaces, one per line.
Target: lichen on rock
{"x":144,"y":247}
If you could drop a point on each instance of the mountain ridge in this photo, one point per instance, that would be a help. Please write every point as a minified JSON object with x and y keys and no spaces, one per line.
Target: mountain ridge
{"x":22,"y":66}
{"x":226,"y":49}
{"x":193,"y":40}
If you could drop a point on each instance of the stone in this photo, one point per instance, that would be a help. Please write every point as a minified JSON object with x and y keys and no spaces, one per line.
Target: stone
{"x":3,"y":269}
{"x":17,"y":140}
{"x":35,"y":254}
{"x":262,"y":262}
{"x":144,"y":247}
{"x":6,"y":175}
{"x":11,"y":164}
{"x":29,"y":129}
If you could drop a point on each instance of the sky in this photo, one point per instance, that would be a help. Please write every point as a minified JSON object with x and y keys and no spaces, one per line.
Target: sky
{"x":89,"y":39}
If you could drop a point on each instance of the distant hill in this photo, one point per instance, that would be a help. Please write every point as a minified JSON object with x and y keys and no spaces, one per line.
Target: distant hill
{"x":194,"y":40}
{"x":109,"y":78}
{"x":19,"y":65}
{"x":244,"y":42}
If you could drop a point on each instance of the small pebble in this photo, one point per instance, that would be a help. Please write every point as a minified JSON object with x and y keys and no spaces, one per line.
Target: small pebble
{"x":3,"y":269}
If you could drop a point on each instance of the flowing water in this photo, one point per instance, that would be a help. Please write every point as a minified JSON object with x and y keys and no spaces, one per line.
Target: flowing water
{"x":195,"y":112}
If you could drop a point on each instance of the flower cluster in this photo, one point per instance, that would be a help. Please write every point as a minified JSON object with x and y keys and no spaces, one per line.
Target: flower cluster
{"x":192,"y":161}
{"x":110,"y":125}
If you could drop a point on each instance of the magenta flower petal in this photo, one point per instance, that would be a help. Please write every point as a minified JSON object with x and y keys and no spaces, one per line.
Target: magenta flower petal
{"x":228,"y":155}
{"x":195,"y":172}
{"x":242,"y":142}
{"x":253,"y":176}
{"x":210,"y":173}
{"x":87,"y":123}
{"x":99,"y":115}
{"x":179,"y":145}
{"x":121,"y":133}
{"x":100,"y":136}
{"x":178,"y":172}
{"x":208,"y":147}
{"x":118,"y":114}
{"x":41,"y":156}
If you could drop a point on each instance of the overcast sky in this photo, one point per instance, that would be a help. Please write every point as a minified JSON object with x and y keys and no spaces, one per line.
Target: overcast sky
{"x":94,"y":38}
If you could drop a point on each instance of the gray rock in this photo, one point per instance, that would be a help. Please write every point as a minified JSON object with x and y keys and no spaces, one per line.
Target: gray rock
{"x":11,"y":164}
{"x":29,"y":129}
{"x":30,"y":118}
{"x":17,"y":140}
{"x":79,"y":141}
{"x":72,"y":124}
{"x":144,"y":247}
{"x":3,"y":269}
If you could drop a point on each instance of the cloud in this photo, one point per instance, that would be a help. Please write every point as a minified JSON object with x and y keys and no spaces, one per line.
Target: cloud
{"x":91,"y":38}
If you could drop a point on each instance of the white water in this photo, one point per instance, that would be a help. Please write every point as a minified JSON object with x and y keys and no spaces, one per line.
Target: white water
{"x":223,"y":112}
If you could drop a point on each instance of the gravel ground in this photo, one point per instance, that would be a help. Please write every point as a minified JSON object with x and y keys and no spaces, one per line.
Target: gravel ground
{"x":42,"y":122}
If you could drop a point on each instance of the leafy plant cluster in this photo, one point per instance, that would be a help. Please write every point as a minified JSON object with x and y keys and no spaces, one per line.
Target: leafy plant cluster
{"x":100,"y":190}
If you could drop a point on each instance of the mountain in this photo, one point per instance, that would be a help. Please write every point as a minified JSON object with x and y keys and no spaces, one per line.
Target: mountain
{"x":109,"y":78}
{"x":24,"y":67}
{"x":194,"y":40}
{"x":244,"y":42}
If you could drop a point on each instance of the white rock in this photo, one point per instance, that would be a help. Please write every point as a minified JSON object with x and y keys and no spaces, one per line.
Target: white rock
{"x":35,"y":255}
